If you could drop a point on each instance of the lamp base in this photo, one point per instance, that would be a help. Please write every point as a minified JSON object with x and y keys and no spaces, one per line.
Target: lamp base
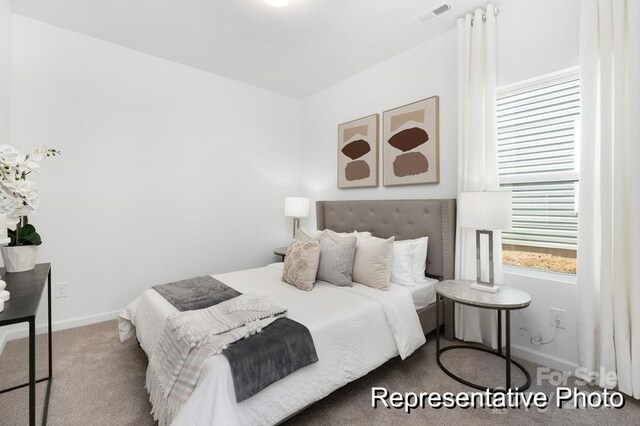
{"x":486,"y":288}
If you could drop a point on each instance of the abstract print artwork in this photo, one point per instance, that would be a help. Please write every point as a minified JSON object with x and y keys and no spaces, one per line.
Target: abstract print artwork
{"x":411,"y":143}
{"x":358,"y":153}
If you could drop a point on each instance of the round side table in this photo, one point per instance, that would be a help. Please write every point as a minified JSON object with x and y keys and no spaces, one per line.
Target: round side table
{"x":506,"y":300}
{"x":280,"y":251}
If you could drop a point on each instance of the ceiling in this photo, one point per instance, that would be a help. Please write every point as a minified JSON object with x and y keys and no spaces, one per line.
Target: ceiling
{"x":295,"y":50}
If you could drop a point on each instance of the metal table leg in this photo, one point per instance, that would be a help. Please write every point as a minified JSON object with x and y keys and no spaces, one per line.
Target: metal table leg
{"x":50,"y":338}
{"x":499,"y":332}
{"x":506,"y":356}
{"x":32,"y":371}
{"x":507,"y":349}
{"x":438,"y":298}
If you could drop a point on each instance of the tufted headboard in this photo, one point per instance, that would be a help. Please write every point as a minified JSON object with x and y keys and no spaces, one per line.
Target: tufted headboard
{"x":404,"y":219}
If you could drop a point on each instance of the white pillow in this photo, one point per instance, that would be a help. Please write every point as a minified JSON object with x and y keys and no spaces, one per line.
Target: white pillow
{"x":419,"y":259}
{"x":402,"y":263}
{"x":372,"y":264}
{"x":409,"y":260}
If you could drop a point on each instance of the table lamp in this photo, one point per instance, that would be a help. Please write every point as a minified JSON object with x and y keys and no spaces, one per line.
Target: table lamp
{"x":485,"y":211}
{"x":296,"y":207}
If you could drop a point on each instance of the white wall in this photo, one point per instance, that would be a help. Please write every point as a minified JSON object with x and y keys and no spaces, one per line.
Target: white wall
{"x":5,"y":69}
{"x":534,"y":37}
{"x":166,"y":171}
{"x":547,"y":290}
{"x":416,"y":74}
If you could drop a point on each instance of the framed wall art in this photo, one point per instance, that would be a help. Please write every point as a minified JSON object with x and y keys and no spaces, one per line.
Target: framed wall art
{"x":412,"y":143}
{"x":358,"y":152}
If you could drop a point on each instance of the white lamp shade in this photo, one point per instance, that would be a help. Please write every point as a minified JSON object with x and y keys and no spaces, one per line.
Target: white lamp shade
{"x":490,"y":210}
{"x":296,"y":207}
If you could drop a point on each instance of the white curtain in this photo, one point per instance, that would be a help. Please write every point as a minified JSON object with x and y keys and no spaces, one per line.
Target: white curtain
{"x":477,"y":156}
{"x":609,"y":196}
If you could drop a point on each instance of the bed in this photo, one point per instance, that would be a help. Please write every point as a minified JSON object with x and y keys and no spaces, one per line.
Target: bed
{"x":354,"y":329}
{"x":404,"y":219}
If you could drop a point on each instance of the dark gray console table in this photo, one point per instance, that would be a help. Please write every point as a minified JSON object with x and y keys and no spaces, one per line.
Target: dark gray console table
{"x":26,"y":293}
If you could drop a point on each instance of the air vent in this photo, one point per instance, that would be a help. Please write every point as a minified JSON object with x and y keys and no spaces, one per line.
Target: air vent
{"x":425,"y":17}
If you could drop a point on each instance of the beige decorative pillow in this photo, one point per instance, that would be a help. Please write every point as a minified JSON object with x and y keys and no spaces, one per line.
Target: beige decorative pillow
{"x":301,"y":264}
{"x":372,"y":264}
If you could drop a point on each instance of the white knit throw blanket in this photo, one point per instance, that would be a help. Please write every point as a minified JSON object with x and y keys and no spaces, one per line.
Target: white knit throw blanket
{"x":190,"y":338}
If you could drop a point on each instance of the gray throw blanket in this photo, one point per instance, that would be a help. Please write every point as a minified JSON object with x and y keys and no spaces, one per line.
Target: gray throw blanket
{"x":196,"y":293}
{"x":264,"y":358}
{"x":263,"y":349}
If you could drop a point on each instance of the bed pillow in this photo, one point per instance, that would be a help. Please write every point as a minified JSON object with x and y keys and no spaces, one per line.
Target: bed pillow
{"x":372,"y":263}
{"x":301,"y":264}
{"x":409,"y":261}
{"x":304,"y":235}
{"x":336,"y":259}
{"x":348,"y":234}
{"x":419,"y":259}
{"x":402,"y":264}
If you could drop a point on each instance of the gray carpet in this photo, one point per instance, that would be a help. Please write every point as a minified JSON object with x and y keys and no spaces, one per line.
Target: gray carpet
{"x":100,"y":381}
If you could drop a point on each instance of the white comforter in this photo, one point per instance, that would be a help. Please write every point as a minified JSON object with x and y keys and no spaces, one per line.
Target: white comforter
{"x":354,"y":329}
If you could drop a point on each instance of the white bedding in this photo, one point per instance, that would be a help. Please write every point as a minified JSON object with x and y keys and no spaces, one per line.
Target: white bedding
{"x":355,"y":330}
{"x":423,"y":294}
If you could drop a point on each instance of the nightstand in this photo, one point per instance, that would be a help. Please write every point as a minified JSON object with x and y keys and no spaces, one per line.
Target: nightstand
{"x":281,"y":251}
{"x":504,"y":301}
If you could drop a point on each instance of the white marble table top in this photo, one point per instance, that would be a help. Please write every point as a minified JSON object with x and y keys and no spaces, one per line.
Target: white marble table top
{"x":461,"y":292}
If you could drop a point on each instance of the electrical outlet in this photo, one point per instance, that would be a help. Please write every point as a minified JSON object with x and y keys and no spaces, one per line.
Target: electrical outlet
{"x":60,"y":289}
{"x":557,"y":314}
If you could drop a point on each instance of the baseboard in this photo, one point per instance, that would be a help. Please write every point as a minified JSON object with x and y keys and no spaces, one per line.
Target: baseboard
{"x":543,"y":359}
{"x":22,"y":331}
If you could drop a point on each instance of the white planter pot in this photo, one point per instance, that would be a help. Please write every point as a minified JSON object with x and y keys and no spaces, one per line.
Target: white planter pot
{"x":19,"y":259}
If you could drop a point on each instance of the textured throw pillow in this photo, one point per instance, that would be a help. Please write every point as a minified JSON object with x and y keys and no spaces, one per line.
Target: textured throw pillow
{"x":301,"y":264}
{"x":402,"y":264}
{"x":372,"y":263}
{"x":336,"y":259}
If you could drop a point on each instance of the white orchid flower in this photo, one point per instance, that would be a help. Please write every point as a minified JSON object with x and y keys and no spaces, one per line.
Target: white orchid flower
{"x":18,"y":195}
{"x":9,"y":155}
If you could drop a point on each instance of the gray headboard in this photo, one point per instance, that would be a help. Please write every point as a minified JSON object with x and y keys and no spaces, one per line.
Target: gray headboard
{"x":404,"y":219}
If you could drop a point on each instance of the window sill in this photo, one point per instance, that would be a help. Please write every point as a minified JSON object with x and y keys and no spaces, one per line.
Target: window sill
{"x":539,"y":274}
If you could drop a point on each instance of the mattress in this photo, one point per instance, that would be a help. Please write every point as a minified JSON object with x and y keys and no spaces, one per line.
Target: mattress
{"x":355,"y":330}
{"x":423,"y":294}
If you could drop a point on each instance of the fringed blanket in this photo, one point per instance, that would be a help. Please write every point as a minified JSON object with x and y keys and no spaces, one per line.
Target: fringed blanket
{"x":190,"y":338}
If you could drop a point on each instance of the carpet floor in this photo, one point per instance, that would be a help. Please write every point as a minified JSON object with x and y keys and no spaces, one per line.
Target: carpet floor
{"x":100,"y":381}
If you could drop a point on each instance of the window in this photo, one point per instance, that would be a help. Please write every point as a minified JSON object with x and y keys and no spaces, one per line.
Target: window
{"x":538,"y":128}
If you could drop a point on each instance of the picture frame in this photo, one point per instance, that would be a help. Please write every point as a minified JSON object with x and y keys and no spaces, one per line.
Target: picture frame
{"x":411,"y":143}
{"x":358,"y":156}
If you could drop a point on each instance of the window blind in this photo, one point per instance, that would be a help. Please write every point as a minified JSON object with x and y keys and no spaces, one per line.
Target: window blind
{"x":537,"y":161}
